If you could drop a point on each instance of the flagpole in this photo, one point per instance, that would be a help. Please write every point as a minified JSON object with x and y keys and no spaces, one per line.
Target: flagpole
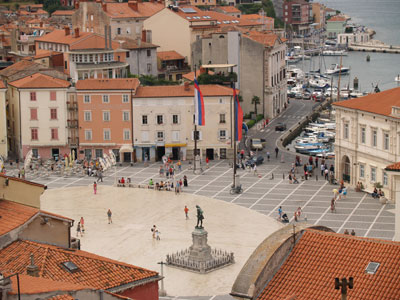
{"x":195,"y":134}
{"x":234,"y":137}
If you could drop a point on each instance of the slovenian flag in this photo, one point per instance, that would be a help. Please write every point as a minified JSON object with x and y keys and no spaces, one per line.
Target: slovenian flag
{"x":238,"y":117}
{"x":199,"y":111}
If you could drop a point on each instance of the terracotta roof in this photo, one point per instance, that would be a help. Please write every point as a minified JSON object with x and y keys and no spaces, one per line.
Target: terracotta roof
{"x":37,"y":285}
{"x":190,"y":76}
{"x":108,"y":84}
{"x":62,"y":297}
{"x":134,"y":44}
{"x":2,"y":85}
{"x":379,"y":103}
{"x":256,"y":17}
{"x":393,"y":167}
{"x":63,"y":13}
{"x":319,"y":257}
{"x":93,"y":270}
{"x":92,"y":41}
{"x":229,"y":9}
{"x":58,"y":36}
{"x":179,"y":91}
{"x":45,"y":53}
{"x":22,"y":65}
{"x":337,"y":19}
{"x":267,"y":39}
{"x":14,"y":215}
{"x":169,"y":55}
{"x":39,"y":80}
{"x":122,"y":10}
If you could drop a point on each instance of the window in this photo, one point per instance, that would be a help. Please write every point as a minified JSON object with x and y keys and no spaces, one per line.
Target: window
{"x":125,"y":98}
{"x":159,"y":119}
{"x":385,"y":179}
{"x":34,"y":114}
{"x":34,"y":134}
{"x":65,"y":65}
{"x":53,"y":113}
{"x":106,"y":99}
{"x":175,"y":119}
{"x":198,"y":135}
{"x":106,"y":134}
{"x":127,"y":54}
{"x":346,"y":131}
{"x":160,"y":135}
{"x":145,"y":136}
{"x":175,"y":136}
{"x":222,"y":134}
{"x":88,"y":135}
{"x":127,"y":134}
{"x":178,"y":76}
{"x":386,"y":141}
{"x":148,"y":53}
{"x":87,"y":99}
{"x":362,"y":135}
{"x":144,"y":120}
{"x":374,"y":138}
{"x":118,"y":30}
{"x":148,"y":67}
{"x":33,"y":96}
{"x":222,"y":118}
{"x":87,"y":116}
{"x":373,"y":174}
{"x":54,"y":133}
{"x":35,"y":153}
{"x":53,"y":95}
{"x":106,"y":116}
{"x":222,"y":153}
{"x":125,"y":115}
{"x":99,"y":152}
{"x":362,"y":171}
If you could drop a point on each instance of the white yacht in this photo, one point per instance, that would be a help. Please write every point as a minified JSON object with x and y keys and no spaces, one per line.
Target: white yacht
{"x":335,"y":69}
{"x":334,"y":53}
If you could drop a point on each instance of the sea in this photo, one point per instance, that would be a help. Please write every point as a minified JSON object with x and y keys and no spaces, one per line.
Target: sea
{"x":383,"y":16}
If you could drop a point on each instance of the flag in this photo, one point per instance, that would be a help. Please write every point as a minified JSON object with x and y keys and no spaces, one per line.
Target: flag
{"x":238,"y":117}
{"x":199,"y":112}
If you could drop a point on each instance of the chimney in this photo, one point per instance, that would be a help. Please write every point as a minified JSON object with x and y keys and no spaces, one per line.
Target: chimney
{"x":76,"y":4}
{"x":32,"y":269}
{"x":105,"y":36}
{"x":186,"y":86}
{"x":76,"y":32}
{"x":133,"y":5}
{"x":104,"y":6}
{"x":67,"y":30}
{"x":143,"y":35}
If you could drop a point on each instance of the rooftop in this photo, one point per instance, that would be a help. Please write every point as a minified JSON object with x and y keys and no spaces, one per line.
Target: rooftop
{"x":229,"y":9}
{"x":180,"y":91}
{"x":379,"y":103}
{"x":393,"y":167}
{"x":122,"y":10}
{"x":319,"y":257}
{"x":108,"y":84}
{"x":18,"y":67}
{"x":267,"y":39}
{"x":39,"y":80}
{"x":337,"y":19}
{"x":169,"y":55}
{"x":135,"y":44}
{"x":63,"y":13}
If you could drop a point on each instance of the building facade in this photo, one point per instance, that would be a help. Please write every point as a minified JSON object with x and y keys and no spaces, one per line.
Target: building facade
{"x":368,"y":140}
{"x":335,"y":26}
{"x":318,"y":14}
{"x":38,"y":116}
{"x":105,"y":117}
{"x":298,"y":13}
{"x":163,"y":123}
{"x":3,"y":122}
{"x":357,"y":37}
{"x":171,"y":65}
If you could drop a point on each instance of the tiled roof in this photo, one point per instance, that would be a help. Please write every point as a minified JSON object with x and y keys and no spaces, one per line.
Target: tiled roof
{"x":267,"y":39}
{"x":63,"y":13}
{"x":179,"y":91}
{"x":169,"y":55}
{"x":37,"y":285}
{"x":319,"y":257}
{"x":229,"y":9}
{"x":379,"y":103}
{"x":394,"y":167}
{"x":39,"y":80}
{"x":108,"y":84}
{"x":95,"y":271}
{"x":93,"y":41}
{"x":255,"y":17}
{"x":190,"y":76}
{"x":122,"y":10}
{"x":18,"y":67}
{"x":134,"y":44}
{"x":14,"y":215}
{"x":58,"y":36}
{"x":2,"y":85}
{"x":62,"y":297}
{"x":337,"y":19}
{"x":45,"y":53}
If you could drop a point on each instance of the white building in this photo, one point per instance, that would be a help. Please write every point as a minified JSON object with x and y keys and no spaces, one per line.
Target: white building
{"x":38,"y":115}
{"x":368,"y":140}
{"x":358,"y":37}
{"x":394,"y":171}
{"x":163,"y":122}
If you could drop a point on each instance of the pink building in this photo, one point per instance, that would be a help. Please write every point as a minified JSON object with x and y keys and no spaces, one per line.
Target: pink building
{"x":105,"y":117}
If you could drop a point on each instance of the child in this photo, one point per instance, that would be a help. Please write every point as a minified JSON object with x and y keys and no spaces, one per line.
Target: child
{"x":186,"y":210}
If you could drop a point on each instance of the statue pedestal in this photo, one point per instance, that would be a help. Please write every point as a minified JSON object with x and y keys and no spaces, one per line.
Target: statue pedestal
{"x":200,"y":251}
{"x":197,"y":167}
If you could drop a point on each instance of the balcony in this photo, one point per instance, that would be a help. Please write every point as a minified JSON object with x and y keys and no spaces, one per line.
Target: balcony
{"x":72,"y":105}
{"x":72,"y":123}
{"x":73,"y":141}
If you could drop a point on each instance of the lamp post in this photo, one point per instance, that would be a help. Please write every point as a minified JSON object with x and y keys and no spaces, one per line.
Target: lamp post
{"x":343,"y":285}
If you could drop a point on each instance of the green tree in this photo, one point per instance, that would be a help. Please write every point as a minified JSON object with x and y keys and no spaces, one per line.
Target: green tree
{"x":255,"y":100}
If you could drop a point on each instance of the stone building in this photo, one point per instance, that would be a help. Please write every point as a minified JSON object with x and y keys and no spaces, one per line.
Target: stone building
{"x":298,"y":13}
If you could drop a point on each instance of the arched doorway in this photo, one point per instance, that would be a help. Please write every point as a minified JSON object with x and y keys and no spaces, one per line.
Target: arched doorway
{"x":346,"y":168}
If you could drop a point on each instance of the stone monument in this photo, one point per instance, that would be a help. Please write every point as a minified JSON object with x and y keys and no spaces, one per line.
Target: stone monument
{"x":200,"y":257}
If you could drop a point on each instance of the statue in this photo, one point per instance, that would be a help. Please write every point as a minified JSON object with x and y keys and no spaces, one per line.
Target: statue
{"x":200,"y":218}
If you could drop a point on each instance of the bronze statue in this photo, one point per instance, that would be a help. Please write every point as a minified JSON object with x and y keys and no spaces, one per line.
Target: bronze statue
{"x":200,"y":217}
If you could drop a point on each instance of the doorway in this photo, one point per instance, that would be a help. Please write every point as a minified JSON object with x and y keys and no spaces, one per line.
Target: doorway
{"x":127,"y":156}
{"x":346,"y":168}
{"x":210,"y":153}
{"x":145,"y":153}
{"x":160,"y":152}
{"x":55,"y":153}
{"x":176,"y":153}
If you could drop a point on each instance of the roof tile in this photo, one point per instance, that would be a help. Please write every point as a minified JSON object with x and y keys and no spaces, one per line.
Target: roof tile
{"x":180,"y":91}
{"x":169,"y":55}
{"x":108,"y":84}
{"x":39,"y":80}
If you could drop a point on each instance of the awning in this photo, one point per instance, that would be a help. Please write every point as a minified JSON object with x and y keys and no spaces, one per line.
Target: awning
{"x":175,"y":145}
{"x":126,"y":148}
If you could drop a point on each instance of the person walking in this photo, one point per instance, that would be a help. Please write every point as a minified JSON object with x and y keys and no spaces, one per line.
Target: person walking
{"x":185,"y":181}
{"x":186,"y":210}
{"x":268,"y":155}
{"x":78,"y":230}
{"x":109,"y":215}
{"x":353,"y":233}
{"x":316,"y":162}
{"x":207,"y":162}
{"x":82,"y":221}
{"x":276,"y":152}
{"x":255,"y":169}
{"x":280,"y":212}
{"x":95,"y":187}
{"x":100,"y":176}
{"x":153,"y":230}
{"x":333,"y":205}
{"x":346,"y":232}
{"x":158,"y":238}
{"x":179,"y":165}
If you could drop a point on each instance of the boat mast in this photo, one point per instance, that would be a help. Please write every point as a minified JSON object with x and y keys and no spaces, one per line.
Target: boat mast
{"x":340,"y":73}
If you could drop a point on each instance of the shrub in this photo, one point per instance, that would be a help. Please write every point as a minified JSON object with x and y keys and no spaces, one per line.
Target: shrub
{"x":250,"y":123}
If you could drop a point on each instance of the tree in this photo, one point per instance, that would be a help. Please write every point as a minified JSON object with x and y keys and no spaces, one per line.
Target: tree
{"x":255,"y":100}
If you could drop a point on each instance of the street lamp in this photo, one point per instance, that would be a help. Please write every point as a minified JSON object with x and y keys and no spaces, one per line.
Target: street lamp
{"x":343,"y":286}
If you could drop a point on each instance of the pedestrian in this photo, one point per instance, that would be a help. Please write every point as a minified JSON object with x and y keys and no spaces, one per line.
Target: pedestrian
{"x":109,"y":215}
{"x":290,"y":178}
{"x":95,"y":187}
{"x":185,"y":181}
{"x":78,"y":230}
{"x":153,"y":230}
{"x":268,"y":155}
{"x":299,"y":212}
{"x":242,"y":154}
{"x":346,"y":231}
{"x":100,"y":176}
{"x":316,"y":161}
{"x":161,"y":171}
{"x":326,"y":173}
{"x":82,"y":221}
{"x":322,"y":169}
{"x":177,"y":188}
{"x":186,"y":210}
{"x":280,"y":212}
{"x":310,"y":160}
{"x":179,"y":165}
{"x":295,"y":216}
{"x":353,"y":233}
{"x":158,"y":238}
{"x":276,"y":152}
{"x":255,"y":169}
{"x":180,"y":185}
{"x":207,"y":161}
{"x":333,"y":205}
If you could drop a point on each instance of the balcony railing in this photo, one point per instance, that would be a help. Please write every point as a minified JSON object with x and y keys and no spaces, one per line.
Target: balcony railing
{"x":72,"y":123}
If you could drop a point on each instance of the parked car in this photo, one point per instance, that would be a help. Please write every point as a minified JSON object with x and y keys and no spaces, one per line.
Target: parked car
{"x":280,"y":127}
{"x":299,"y":95}
{"x":291,"y":94}
{"x":307,"y":96}
{"x":256,"y":144}
{"x":257,"y":160}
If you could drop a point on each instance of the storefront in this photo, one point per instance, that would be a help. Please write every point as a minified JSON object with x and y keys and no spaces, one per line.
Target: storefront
{"x":176,"y":151}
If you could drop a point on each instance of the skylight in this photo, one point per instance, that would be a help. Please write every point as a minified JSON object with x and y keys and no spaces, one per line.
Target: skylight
{"x":70,"y":266}
{"x":187,"y":10}
{"x":372,"y":267}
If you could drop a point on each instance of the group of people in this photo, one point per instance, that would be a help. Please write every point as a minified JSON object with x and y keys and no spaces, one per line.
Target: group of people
{"x":283,"y":217}
{"x":169,"y":185}
{"x":377,"y":193}
{"x":338,"y":194}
